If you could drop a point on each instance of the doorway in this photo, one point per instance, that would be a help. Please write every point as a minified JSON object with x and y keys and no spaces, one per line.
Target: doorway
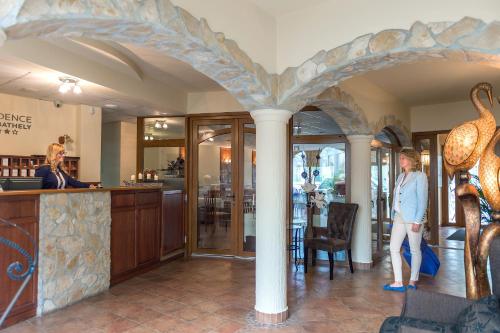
{"x":384,"y":170}
{"x":222,"y":185}
{"x":427,"y":146}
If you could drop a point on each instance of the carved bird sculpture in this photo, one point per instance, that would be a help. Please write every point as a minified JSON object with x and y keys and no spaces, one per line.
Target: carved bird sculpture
{"x":465,"y":143}
{"x":489,"y":173}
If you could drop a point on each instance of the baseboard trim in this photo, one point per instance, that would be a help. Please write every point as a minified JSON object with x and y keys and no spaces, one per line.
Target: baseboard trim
{"x":363,"y":266}
{"x":271,"y":318}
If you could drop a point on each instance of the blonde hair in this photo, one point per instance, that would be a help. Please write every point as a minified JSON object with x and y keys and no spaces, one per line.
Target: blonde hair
{"x":51,"y":157}
{"x":413,"y":156}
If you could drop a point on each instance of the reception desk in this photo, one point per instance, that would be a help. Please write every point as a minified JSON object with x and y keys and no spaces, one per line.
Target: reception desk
{"x":88,"y":239}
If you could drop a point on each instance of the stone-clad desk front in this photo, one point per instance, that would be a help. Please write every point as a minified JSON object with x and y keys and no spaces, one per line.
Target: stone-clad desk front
{"x":74,"y":241}
{"x":74,"y":247}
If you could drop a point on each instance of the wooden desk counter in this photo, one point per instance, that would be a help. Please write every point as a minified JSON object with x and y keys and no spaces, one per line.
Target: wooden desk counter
{"x":87,"y":239}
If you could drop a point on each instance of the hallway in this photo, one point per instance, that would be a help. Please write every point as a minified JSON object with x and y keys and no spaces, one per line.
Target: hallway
{"x":217,"y":295}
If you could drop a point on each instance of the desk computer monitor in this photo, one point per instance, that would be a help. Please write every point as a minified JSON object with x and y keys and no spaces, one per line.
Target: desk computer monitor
{"x":19,"y":184}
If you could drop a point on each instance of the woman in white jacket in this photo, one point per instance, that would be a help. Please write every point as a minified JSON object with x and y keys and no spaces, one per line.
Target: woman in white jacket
{"x":409,"y":208}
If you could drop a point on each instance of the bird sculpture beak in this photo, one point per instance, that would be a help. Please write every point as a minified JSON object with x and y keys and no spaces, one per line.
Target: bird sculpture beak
{"x":490,"y":96}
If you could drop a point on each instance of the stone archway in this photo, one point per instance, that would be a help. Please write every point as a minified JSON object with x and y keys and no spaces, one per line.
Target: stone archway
{"x":156,"y":24}
{"x":352,"y":119}
{"x":342,"y":108}
{"x":396,"y":126}
{"x":468,"y":40}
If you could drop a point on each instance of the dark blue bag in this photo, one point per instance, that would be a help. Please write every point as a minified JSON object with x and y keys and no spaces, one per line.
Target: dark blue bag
{"x":430,"y":262}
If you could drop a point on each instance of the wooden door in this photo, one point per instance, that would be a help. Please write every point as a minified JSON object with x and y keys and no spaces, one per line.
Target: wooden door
{"x":148,"y":233}
{"x":427,"y":144}
{"x":123,"y":235}
{"x":222,"y":184}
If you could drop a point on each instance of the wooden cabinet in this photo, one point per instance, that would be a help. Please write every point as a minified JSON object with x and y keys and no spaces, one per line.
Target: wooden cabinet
{"x":147,"y":235}
{"x":24,"y":212}
{"x":123,"y":247}
{"x":173,"y":234}
{"x":135,"y":232}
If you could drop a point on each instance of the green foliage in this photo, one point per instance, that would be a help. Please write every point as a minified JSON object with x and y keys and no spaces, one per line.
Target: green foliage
{"x":486,"y":209}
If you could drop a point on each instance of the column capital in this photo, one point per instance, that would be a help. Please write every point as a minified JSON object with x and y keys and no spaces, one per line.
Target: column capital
{"x":276,"y":115}
{"x":360,"y":137}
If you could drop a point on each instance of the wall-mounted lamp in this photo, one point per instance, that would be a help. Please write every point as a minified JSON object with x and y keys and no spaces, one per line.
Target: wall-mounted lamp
{"x":68,"y":84}
{"x":425,"y":157}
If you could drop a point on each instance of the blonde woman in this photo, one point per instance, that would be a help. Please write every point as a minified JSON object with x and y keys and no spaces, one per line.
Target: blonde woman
{"x":409,"y":213}
{"x":53,"y":173}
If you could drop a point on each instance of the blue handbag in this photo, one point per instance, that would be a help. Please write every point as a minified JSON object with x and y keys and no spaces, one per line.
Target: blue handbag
{"x":430,"y":262}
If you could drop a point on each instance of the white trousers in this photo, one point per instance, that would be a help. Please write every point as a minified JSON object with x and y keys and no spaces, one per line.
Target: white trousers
{"x":398,"y":233}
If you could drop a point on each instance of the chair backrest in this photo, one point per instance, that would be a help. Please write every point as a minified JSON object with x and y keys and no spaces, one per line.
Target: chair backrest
{"x":495,"y":266}
{"x":341,"y":217}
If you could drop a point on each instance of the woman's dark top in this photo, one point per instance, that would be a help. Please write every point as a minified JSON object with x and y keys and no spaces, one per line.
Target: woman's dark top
{"x":50,"y":178}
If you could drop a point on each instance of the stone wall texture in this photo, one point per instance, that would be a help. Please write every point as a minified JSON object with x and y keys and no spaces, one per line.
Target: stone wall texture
{"x":75,"y":258}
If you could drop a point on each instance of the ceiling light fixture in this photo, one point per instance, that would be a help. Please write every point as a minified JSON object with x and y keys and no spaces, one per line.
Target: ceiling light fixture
{"x":164,"y":126}
{"x":157,"y":124}
{"x":68,"y":83}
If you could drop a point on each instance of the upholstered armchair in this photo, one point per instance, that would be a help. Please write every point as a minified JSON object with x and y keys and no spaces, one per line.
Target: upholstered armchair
{"x":338,"y":235}
{"x":434,"y":312}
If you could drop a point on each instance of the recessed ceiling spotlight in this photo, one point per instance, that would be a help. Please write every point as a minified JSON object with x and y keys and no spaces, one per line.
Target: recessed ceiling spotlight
{"x":211,"y":139}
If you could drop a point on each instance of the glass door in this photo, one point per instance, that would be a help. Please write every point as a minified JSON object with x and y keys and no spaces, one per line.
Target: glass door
{"x":330,"y":180}
{"x":214,"y":186}
{"x":247,"y":161}
{"x":426,"y":146}
{"x":223,"y":178}
{"x":382,"y":175}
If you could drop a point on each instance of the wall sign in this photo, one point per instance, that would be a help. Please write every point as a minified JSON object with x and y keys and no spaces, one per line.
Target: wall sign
{"x":14,"y":124}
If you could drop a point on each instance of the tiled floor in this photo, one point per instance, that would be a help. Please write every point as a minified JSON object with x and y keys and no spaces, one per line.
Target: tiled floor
{"x":217,"y":295}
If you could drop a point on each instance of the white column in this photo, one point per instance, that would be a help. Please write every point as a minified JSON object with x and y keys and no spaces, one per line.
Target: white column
{"x":361,"y":194}
{"x":271,"y":265}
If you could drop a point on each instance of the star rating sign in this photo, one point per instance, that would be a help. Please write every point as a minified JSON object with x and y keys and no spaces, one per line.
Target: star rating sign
{"x":14,"y":132}
{"x":7,"y":131}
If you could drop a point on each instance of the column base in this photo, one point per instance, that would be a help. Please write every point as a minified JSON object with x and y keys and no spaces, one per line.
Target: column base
{"x":271,"y":318}
{"x":363,"y":266}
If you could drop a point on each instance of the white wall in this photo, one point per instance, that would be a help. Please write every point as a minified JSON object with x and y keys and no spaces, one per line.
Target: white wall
{"x":128,"y":150}
{"x":444,"y":116}
{"x":110,"y":162}
{"x":212,"y":102}
{"x":89,"y":143}
{"x":48,"y":123}
{"x":252,"y":28}
{"x":331,"y":23}
{"x":119,"y":152}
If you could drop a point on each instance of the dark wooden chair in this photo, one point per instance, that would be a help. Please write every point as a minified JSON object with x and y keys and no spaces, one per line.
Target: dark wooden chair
{"x":338,"y":235}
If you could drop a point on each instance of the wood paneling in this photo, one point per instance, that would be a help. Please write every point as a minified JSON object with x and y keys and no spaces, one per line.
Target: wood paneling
{"x":172,"y":222}
{"x":147,"y":235}
{"x":135,"y":232}
{"x":24,"y":212}
{"x":123,"y":249}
